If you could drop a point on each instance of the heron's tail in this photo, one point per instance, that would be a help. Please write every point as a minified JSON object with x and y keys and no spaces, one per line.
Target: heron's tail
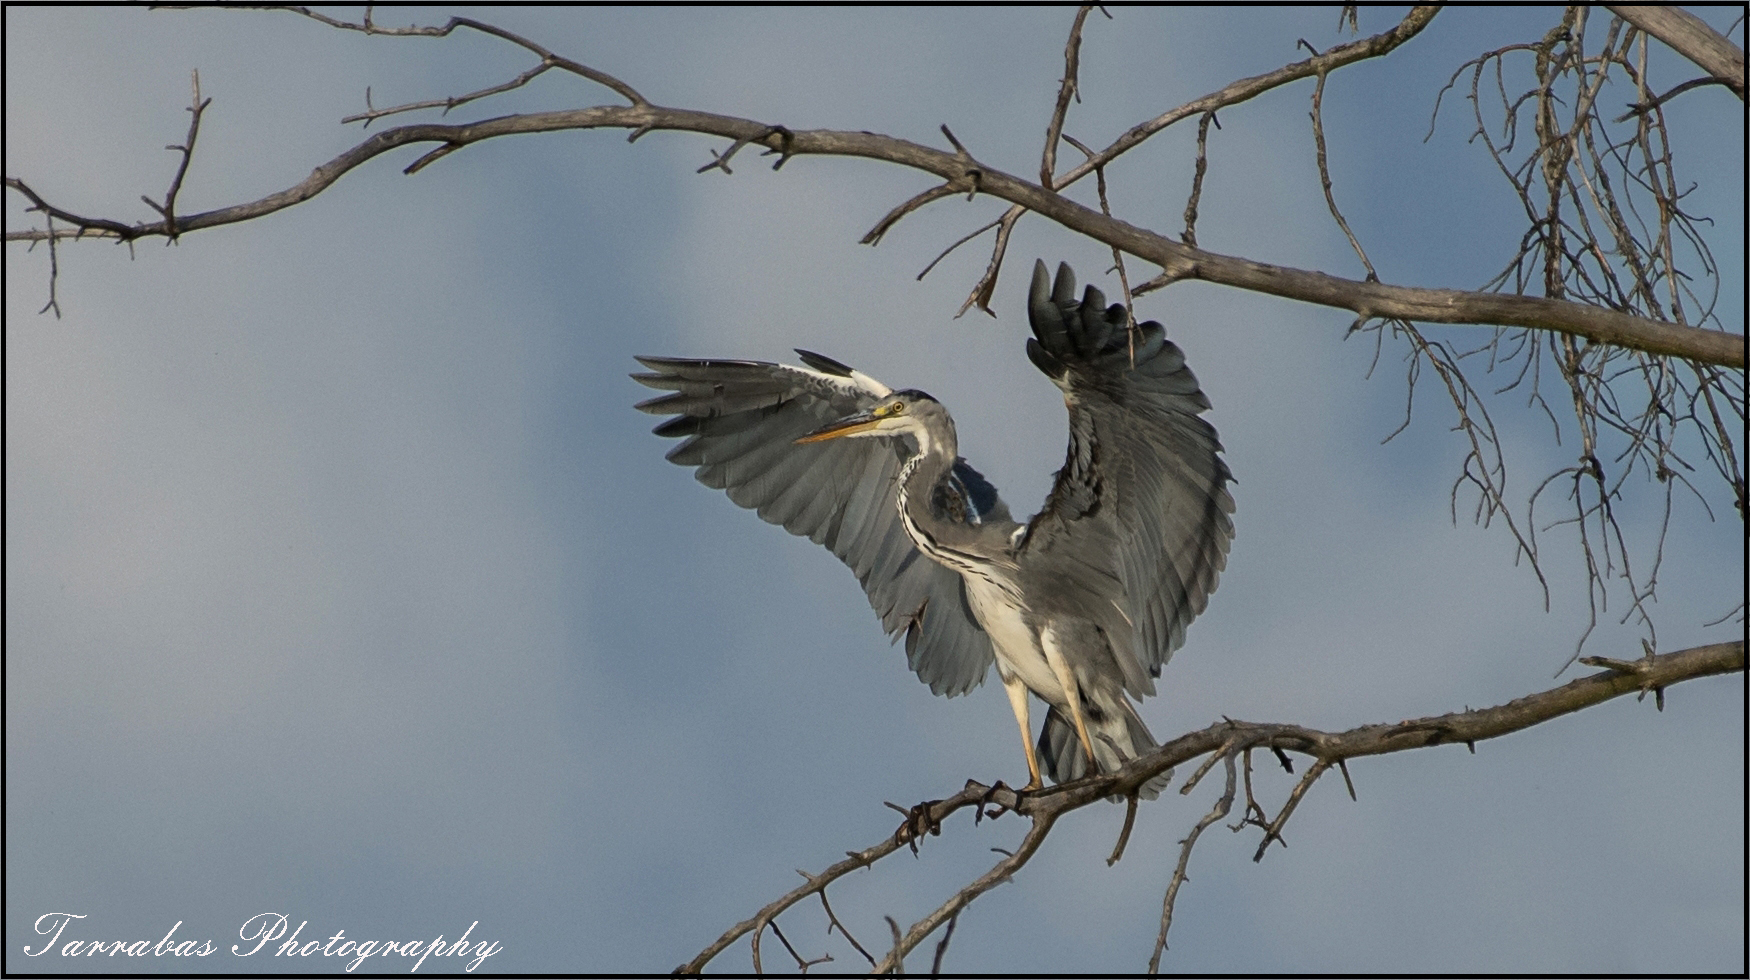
{"x":1118,"y":735}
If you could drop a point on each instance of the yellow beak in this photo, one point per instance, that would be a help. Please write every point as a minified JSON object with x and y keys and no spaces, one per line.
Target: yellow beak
{"x":849,"y":425}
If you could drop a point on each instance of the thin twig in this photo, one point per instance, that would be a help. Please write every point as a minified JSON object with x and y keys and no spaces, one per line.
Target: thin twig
{"x":1223,"y":805}
{"x":1274,"y":832}
{"x":895,"y":959}
{"x":196,"y":107}
{"x":832,"y":922}
{"x":1068,"y":89}
{"x":963,"y":239}
{"x":1124,"y":835}
{"x":548,"y":58}
{"x":986,"y":286}
{"x":874,"y":235}
{"x":1189,"y":235}
{"x":942,"y":946}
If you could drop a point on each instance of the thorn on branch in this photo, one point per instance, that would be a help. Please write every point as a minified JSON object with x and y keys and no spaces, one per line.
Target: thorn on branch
{"x":973,"y":173}
{"x":1208,"y":764}
{"x":1163,"y":280}
{"x":961,"y":150}
{"x":785,"y":142}
{"x":1635,"y":668}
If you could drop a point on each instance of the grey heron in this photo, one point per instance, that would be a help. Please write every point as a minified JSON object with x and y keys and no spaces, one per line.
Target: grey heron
{"x":1080,"y":606}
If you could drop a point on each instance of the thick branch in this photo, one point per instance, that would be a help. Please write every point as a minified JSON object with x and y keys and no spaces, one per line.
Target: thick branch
{"x":1228,"y":738}
{"x":1690,"y":37}
{"x":1460,"y":727}
{"x":1366,"y":299}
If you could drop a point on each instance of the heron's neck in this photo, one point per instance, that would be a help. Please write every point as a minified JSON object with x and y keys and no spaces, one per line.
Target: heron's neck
{"x":937,"y":440}
{"x":919,"y":476}
{"x":938,"y":447}
{"x":942,"y":540}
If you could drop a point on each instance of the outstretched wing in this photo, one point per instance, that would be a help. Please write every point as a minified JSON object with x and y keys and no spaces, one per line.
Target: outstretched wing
{"x":741,"y":420}
{"x":1138,"y":520}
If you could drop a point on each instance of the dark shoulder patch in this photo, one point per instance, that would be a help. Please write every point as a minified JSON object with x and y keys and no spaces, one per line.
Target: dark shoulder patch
{"x":982,"y":495}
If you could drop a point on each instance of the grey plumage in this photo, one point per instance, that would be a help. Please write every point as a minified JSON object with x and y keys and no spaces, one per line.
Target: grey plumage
{"x":1083,"y":605}
{"x":741,"y":419}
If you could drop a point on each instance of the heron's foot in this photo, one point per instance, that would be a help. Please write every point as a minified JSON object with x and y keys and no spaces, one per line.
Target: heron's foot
{"x":991,"y":799}
{"x":919,"y":820}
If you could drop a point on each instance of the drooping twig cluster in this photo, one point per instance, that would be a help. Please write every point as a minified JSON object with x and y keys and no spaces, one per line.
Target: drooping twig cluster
{"x":1605,"y":225}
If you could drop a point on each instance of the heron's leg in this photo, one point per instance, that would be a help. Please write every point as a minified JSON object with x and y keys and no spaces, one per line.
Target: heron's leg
{"x":1017,"y":692}
{"x":1072,"y":691}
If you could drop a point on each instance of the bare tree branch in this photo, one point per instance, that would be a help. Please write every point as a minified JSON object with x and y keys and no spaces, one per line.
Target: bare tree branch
{"x":1181,"y":261}
{"x":1690,"y":37}
{"x":196,"y":107}
{"x":1223,"y":741}
{"x":1365,"y":299}
{"x":548,"y":58}
{"x":1604,"y":263}
{"x":1223,"y":805}
{"x":1068,"y":89}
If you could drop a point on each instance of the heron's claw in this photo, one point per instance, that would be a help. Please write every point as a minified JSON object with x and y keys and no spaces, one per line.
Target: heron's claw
{"x":990,"y":799}
{"x":919,"y":820}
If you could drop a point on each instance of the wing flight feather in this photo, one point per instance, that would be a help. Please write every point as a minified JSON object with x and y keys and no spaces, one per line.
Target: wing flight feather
{"x":740,"y":420}
{"x":1143,"y":491}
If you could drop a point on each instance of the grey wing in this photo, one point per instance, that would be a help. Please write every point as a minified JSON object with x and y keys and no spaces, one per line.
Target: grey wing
{"x":741,"y":420}
{"x":1138,"y":519}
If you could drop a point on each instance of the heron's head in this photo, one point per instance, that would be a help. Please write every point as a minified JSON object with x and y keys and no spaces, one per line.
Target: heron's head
{"x":903,"y":413}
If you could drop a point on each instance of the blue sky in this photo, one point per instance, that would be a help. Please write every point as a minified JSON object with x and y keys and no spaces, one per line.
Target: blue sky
{"x":343,"y":582}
